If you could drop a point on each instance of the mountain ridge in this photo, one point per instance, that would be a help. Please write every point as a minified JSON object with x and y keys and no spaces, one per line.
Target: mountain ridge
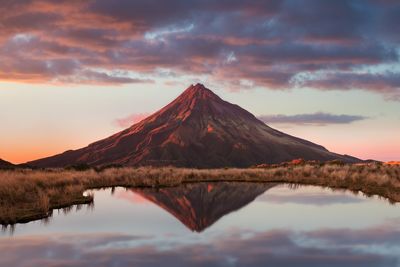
{"x":197,"y":129}
{"x":6,"y":164}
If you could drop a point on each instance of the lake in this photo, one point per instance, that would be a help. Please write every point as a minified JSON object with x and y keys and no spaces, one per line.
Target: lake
{"x":212,"y":224}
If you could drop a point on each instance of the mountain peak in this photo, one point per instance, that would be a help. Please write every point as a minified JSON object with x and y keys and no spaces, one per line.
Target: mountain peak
{"x":199,"y":205}
{"x":199,"y":91}
{"x":197,"y":129}
{"x":198,"y":87}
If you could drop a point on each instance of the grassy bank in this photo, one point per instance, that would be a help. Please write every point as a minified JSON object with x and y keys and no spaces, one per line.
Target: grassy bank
{"x":27,"y":195}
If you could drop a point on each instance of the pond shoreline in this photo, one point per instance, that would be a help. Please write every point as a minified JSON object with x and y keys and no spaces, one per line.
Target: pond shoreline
{"x":27,"y":195}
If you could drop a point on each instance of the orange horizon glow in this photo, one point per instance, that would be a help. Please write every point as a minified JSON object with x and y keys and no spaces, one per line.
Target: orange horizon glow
{"x":385,"y":153}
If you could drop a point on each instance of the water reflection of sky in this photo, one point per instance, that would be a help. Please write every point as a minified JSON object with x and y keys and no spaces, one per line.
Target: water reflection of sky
{"x":308,"y":226}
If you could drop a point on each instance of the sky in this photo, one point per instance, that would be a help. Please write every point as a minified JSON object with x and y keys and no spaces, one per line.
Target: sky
{"x":73,"y":72}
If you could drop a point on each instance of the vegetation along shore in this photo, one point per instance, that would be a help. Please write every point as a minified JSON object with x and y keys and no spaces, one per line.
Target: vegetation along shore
{"x":28,"y":194}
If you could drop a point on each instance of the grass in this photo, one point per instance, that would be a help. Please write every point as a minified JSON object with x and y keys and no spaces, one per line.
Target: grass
{"x":27,"y":195}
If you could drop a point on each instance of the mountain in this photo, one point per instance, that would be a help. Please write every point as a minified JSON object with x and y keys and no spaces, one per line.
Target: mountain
{"x":6,"y":165}
{"x":197,"y":129}
{"x":200,"y":205}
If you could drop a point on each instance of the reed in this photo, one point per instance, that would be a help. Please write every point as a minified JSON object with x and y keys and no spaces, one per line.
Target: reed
{"x":27,"y":194}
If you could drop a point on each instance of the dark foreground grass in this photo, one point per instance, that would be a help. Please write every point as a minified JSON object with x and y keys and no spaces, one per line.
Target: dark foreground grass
{"x":27,"y":195}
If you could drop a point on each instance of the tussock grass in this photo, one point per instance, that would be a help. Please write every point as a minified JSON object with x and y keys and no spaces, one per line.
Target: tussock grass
{"x":27,"y":195}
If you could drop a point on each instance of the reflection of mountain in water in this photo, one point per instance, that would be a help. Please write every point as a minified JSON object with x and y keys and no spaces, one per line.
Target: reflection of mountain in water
{"x":200,"y":205}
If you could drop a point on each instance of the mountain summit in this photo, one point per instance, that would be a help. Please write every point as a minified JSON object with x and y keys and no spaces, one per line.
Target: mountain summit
{"x":197,"y":129}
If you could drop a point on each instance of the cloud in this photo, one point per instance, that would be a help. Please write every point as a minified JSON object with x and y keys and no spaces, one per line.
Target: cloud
{"x":131,"y":197}
{"x":130,"y":119}
{"x":387,"y":83}
{"x":375,"y":246}
{"x":88,"y":76}
{"x":267,"y":43}
{"x":314,"y":199}
{"x":318,"y":118}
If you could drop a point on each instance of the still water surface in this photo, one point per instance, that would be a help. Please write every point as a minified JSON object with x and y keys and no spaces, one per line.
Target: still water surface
{"x":212,"y":224}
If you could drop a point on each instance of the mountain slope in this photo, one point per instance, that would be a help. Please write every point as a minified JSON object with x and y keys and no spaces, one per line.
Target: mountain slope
{"x":197,"y":129}
{"x":200,"y":205}
{"x":6,"y":164}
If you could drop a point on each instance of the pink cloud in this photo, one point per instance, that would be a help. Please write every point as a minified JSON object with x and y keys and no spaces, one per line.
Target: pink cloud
{"x":77,"y":42}
{"x":131,"y":197}
{"x":130,"y":119}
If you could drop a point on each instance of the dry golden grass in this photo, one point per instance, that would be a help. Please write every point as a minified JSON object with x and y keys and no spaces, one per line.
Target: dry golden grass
{"x":27,"y":195}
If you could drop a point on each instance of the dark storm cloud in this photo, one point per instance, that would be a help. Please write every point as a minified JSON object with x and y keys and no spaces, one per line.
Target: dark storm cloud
{"x":265,"y":43}
{"x":319,"y":118}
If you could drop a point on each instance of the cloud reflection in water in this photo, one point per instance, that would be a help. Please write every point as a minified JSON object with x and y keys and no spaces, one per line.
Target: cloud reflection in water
{"x":324,"y":247}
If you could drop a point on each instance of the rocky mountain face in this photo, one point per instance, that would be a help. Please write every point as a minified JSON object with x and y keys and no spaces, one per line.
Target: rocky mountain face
{"x":200,"y":205}
{"x":197,"y":129}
